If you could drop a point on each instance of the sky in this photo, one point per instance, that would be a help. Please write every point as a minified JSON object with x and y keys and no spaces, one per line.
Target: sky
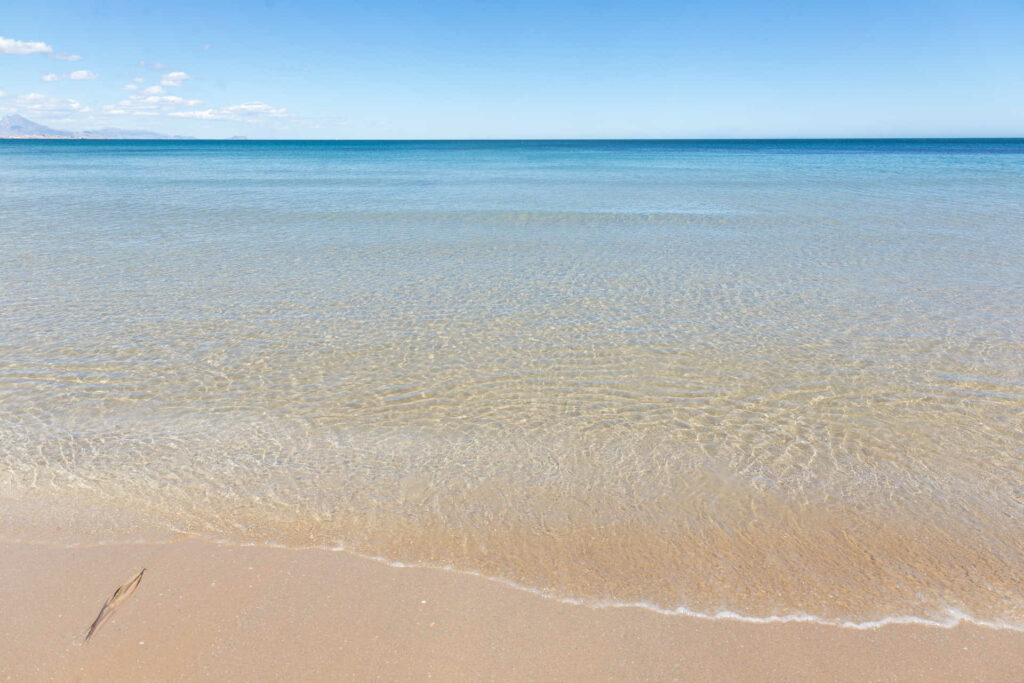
{"x":396,"y":69}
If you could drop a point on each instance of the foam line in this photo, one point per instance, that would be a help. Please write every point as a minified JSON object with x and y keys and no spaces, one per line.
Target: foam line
{"x":953,"y":617}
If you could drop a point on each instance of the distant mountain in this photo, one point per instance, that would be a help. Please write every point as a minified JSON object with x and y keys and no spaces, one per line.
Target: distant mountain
{"x":16,"y":126}
{"x":127,"y":134}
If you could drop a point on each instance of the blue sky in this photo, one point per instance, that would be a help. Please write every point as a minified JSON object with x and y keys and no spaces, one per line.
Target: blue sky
{"x":398,"y":69}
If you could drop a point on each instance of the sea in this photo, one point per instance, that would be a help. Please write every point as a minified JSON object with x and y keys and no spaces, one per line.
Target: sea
{"x":764,"y":380}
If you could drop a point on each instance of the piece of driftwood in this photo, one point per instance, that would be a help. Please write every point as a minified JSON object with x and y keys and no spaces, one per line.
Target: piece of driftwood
{"x":119,"y":596}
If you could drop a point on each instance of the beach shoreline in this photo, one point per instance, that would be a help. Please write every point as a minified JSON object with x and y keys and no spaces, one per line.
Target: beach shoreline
{"x":207,"y":610}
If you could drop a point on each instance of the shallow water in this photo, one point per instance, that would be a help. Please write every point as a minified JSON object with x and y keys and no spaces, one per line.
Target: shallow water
{"x":766,"y":378}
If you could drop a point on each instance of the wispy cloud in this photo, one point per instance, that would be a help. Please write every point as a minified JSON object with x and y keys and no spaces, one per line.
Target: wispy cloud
{"x":175,"y":78}
{"x":140,"y":99}
{"x":250,"y":111}
{"x":38,"y":102}
{"x":9,"y":46}
{"x":80,"y":75}
{"x":150,"y":105}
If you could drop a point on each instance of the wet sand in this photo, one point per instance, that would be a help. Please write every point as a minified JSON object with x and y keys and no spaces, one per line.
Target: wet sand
{"x":209,"y":611}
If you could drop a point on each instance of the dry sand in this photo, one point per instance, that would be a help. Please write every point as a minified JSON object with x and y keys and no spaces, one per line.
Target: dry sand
{"x":209,"y":611}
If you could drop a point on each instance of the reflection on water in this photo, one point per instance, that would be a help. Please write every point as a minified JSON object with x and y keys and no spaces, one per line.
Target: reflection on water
{"x":766,"y":378}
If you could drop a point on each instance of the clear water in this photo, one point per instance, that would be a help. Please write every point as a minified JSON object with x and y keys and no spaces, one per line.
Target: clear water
{"x":766,"y":378}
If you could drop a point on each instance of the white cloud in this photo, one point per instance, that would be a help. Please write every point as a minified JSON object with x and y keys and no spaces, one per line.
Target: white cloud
{"x":129,"y":86}
{"x":256,"y":108}
{"x":150,"y":105}
{"x":169,"y":99}
{"x":138,"y":79}
{"x":67,"y":58}
{"x":3,"y":94}
{"x":9,"y":46}
{"x":154,"y":90}
{"x":239,"y":112}
{"x":81,"y":75}
{"x":175,"y":78}
{"x":111,"y":109}
{"x":204,"y":114}
{"x":37,"y":102}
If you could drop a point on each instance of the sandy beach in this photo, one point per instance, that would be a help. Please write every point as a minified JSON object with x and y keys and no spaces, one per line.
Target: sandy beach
{"x":512,"y":341}
{"x":208,"y":611}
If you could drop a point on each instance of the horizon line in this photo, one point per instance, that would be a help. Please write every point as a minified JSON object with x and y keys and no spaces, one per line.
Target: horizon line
{"x":242,"y":138}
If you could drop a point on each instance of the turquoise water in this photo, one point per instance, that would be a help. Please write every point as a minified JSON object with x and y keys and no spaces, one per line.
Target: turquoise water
{"x":772,"y":379}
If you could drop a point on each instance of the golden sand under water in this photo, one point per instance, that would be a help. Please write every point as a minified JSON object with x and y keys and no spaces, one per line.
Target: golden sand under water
{"x":640,"y":478}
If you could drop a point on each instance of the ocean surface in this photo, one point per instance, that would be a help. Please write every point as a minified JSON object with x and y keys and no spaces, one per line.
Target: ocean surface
{"x":771,"y":379}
